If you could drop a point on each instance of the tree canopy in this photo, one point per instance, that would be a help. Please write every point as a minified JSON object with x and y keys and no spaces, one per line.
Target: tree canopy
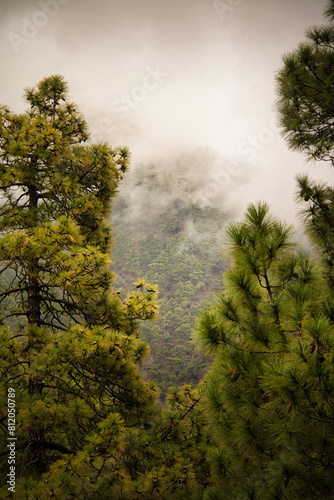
{"x":305,"y":86}
{"x":269,"y":392}
{"x":72,"y":354}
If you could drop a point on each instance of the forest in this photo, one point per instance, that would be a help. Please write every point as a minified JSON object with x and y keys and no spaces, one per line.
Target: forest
{"x":160,"y":349}
{"x":174,"y":243}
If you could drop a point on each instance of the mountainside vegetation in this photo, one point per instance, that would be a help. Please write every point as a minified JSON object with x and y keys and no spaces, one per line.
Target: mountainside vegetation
{"x":164,"y":236}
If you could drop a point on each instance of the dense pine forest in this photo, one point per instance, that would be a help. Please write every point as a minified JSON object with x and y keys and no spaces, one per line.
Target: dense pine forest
{"x":161,"y":349}
{"x":163,"y":236}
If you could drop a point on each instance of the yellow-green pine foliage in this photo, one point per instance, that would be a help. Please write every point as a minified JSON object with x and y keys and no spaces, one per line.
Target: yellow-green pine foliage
{"x":70,"y":346}
{"x":165,"y":458}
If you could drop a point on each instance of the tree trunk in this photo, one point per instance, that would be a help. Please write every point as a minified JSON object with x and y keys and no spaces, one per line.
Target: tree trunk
{"x":36,"y":462}
{"x":34,"y":308}
{"x":36,"y":448}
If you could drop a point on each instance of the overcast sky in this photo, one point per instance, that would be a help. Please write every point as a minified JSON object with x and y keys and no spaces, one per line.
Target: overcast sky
{"x":168,"y":76}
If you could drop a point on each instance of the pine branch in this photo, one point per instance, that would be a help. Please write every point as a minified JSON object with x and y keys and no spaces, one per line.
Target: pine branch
{"x":172,"y":426}
{"x":58,"y":447}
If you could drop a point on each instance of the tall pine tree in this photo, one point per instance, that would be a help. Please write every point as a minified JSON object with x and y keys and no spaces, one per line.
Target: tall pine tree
{"x":270,"y":390}
{"x":70,"y":346}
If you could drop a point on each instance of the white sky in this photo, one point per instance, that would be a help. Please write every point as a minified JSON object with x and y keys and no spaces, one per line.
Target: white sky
{"x":214,"y":83}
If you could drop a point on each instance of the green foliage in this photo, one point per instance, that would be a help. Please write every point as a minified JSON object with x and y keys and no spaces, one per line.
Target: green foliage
{"x":73,"y":357}
{"x":269,"y":392}
{"x":164,"y":459}
{"x":164,"y":236}
{"x":318,"y":217}
{"x":305,"y":89}
{"x":56,"y":195}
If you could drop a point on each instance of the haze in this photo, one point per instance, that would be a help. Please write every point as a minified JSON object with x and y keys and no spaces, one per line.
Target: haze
{"x":168,"y":77}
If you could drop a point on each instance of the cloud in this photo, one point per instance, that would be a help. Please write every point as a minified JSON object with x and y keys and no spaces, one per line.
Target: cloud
{"x":217,"y":89}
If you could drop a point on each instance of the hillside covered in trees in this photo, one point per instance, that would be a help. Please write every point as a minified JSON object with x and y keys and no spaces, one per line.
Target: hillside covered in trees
{"x":86,"y":412}
{"x":162,"y":235}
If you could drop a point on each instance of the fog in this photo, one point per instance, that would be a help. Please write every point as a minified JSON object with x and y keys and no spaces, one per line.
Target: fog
{"x":166,"y":77}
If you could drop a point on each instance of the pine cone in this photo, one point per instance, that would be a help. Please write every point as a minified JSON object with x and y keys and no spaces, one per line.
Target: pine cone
{"x":324,"y":343}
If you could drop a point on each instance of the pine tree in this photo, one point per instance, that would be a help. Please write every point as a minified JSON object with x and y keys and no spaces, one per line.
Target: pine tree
{"x":70,"y":346}
{"x":48,"y":174}
{"x":270,"y":390}
{"x":317,"y":202}
{"x":305,"y":90}
{"x":164,"y":459}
